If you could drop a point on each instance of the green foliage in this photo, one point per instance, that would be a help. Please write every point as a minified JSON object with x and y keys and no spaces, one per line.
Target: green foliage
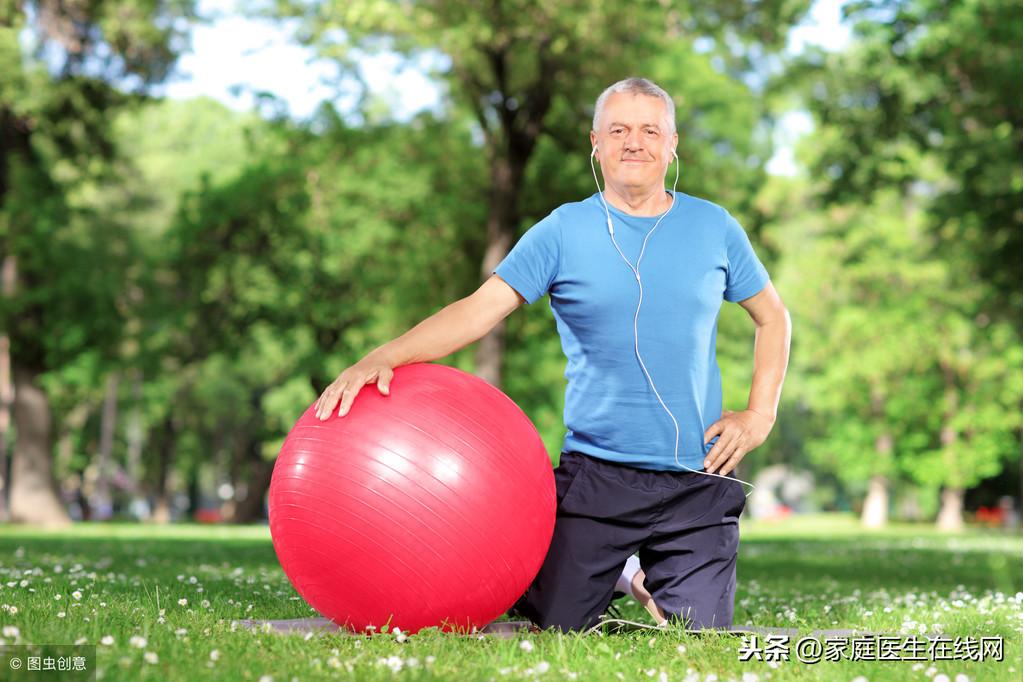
{"x":240,"y":264}
{"x":935,"y":82}
{"x":890,"y":344}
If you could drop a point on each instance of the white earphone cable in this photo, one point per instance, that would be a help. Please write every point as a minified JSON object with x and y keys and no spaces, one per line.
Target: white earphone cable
{"x":635,"y":321}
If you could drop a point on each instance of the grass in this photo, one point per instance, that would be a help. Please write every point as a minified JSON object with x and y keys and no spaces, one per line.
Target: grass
{"x":164,"y":599}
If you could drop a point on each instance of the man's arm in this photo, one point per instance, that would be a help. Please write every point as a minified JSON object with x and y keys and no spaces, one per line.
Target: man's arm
{"x":453,"y":327}
{"x":740,"y":432}
{"x":770,"y":350}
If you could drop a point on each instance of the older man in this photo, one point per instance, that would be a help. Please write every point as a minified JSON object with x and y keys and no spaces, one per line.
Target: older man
{"x":636,"y":276}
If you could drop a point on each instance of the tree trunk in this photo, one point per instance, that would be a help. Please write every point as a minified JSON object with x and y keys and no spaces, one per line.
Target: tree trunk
{"x":6,"y":398}
{"x":102,"y":499}
{"x":135,"y":435}
{"x":950,"y":516}
{"x":500,"y":233}
{"x":34,"y":496}
{"x":510,"y":145}
{"x":875,"y":506}
{"x":8,"y":274}
{"x":164,"y":453}
{"x":236,"y":475}
{"x":250,"y":508}
{"x":251,"y":479}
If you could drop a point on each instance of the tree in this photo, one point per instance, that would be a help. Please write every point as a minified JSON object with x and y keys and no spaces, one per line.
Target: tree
{"x":897,"y":361}
{"x":924,"y":102}
{"x":281,"y":275}
{"x":514,"y":63}
{"x":938,"y":79}
{"x":53,"y":137}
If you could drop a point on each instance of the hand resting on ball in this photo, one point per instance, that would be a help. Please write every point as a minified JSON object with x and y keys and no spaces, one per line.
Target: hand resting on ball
{"x":373,"y":368}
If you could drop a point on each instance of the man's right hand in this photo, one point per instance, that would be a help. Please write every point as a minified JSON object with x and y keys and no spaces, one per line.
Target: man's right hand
{"x":372,"y":368}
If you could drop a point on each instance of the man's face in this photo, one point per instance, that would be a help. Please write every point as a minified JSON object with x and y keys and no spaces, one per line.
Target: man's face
{"x":634,"y":142}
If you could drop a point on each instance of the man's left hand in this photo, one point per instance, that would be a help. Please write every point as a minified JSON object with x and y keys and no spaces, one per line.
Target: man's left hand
{"x":738,"y":433}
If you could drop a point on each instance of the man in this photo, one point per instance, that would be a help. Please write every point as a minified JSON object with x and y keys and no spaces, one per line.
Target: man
{"x":636,"y":277}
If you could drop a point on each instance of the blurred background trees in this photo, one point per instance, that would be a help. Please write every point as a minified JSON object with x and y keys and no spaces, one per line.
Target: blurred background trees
{"x":179,"y":280}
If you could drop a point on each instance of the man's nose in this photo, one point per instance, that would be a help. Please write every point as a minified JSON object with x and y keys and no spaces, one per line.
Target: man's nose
{"x":634,"y":141}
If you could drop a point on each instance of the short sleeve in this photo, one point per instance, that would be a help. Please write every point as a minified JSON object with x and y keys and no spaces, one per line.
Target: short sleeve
{"x":533,"y":263}
{"x":746,"y":274}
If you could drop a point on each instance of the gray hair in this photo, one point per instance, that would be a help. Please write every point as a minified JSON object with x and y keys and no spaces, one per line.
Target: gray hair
{"x":636,"y":86}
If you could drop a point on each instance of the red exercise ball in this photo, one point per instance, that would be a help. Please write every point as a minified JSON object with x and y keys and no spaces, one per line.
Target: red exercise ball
{"x":432,"y":506}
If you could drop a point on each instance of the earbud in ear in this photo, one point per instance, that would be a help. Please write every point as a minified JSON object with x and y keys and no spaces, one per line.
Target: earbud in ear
{"x":674,"y":153}
{"x":594,"y":152}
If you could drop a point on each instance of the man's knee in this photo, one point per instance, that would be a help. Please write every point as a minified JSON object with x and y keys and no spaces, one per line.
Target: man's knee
{"x":563,"y":614}
{"x":693,"y":618}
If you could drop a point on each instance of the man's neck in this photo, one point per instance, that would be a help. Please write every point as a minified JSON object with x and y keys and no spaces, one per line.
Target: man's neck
{"x":645,"y":202}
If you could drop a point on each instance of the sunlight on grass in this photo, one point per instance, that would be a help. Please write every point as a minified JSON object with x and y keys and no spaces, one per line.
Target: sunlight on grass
{"x":159,"y":603}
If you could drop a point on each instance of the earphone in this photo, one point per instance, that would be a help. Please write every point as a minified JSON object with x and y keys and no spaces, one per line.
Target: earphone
{"x":635,"y":322}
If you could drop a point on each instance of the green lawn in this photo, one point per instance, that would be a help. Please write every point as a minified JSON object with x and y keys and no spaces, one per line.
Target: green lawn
{"x":163,"y":598}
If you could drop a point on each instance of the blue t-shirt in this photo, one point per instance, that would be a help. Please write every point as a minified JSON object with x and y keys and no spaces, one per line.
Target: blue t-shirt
{"x":698,"y":256}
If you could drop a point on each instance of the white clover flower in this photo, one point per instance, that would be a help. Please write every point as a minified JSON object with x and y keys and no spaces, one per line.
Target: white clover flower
{"x":138,"y":641}
{"x":57,"y":597}
{"x":151,"y":657}
{"x":266,"y":678}
{"x":205,"y":603}
{"x":401,"y":636}
{"x":182,"y":602}
{"x":214,"y":655}
{"x":395,"y":663}
{"x":526,"y":645}
{"x":12,"y":610}
{"x":107,"y":640}
{"x":81,"y":640}
{"x":61,"y":614}
{"x":941,"y":677}
{"x":77,"y":594}
{"x":11,"y":631}
{"x":430,"y":660}
{"x":542,"y":667}
{"x":962,"y":677}
{"x":681,"y":649}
